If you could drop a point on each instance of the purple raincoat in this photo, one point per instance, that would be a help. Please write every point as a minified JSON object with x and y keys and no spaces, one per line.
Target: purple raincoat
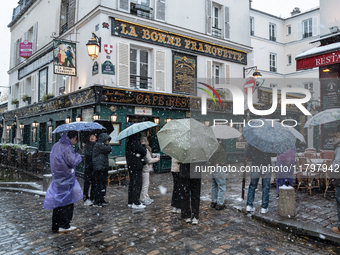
{"x":64,"y":189}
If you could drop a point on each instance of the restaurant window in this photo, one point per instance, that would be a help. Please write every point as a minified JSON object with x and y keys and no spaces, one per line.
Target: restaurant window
{"x":309,"y":86}
{"x":272,"y":32}
{"x":42,"y":83}
{"x":139,"y":69}
{"x":307,"y":28}
{"x":289,"y":30}
{"x":289,"y":60}
{"x":251,"y":26}
{"x":216,"y":21}
{"x":272,"y":62}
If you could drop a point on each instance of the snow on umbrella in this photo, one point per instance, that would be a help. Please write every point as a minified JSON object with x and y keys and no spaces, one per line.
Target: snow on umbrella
{"x":78,"y":126}
{"x":187,"y":140}
{"x":225,"y":132}
{"x":135,"y":128}
{"x":323,"y":117}
{"x":271,"y":137}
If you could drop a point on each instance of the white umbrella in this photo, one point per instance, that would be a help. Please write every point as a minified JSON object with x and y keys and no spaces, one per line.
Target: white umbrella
{"x":4,"y":138}
{"x":297,"y":134}
{"x":323,"y":117}
{"x":225,"y":132}
{"x":18,"y":135}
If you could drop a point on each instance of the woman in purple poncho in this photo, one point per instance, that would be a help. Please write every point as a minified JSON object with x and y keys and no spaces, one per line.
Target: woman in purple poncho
{"x":287,"y":161}
{"x":64,"y":190}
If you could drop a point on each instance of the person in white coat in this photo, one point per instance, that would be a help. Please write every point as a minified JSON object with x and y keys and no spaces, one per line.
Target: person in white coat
{"x":147,"y":168}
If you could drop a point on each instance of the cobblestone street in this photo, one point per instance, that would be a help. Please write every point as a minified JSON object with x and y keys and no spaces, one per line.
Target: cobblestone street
{"x":25,"y":228}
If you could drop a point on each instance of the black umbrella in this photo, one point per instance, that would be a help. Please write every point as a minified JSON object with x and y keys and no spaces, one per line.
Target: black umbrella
{"x":106,"y":124}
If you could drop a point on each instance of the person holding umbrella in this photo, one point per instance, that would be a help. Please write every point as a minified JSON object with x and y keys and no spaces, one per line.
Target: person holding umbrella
{"x":64,"y":190}
{"x":89,"y":179}
{"x":100,"y":161}
{"x":135,"y":152}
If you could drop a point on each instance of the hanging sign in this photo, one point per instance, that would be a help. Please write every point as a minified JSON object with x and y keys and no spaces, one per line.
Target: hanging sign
{"x":108,"y":68}
{"x":95,"y":68}
{"x":64,"y":58}
{"x":25,"y":49}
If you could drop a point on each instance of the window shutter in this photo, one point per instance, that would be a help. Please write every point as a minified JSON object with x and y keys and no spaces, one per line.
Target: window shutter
{"x":227,"y":81}
{"x":124,"y":5}
{"x":299,"y":30}
{"x":315,"y":26}
{"x":21,"y":91}
{"x":160,"y":10}
{"x":226,"y":23}
{"x":160,"y":71}
{"x":54,"y":85}
{"x":34,"y":40}
{"x":33,"y":86}
{"x":123,"y":78}
{"x":208,"y":13}
{"x":209,"y":72}
{"x":15,"y":53}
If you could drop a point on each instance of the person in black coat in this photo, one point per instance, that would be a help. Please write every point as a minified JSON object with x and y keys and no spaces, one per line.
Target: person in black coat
{"x":100,"y":161}
{"x":88,"y":173}
{"x":135,"y":153}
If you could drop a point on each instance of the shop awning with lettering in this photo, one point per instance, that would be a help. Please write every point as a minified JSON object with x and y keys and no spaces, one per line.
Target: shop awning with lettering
{"x":320,"y":56}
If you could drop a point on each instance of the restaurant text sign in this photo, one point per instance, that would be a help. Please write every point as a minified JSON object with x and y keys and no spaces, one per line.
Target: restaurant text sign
{"x":152,"y":35}
{"x":320,"y":60}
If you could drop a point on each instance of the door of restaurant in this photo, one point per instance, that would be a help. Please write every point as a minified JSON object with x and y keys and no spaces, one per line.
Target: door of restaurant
{"x":42,"y":137}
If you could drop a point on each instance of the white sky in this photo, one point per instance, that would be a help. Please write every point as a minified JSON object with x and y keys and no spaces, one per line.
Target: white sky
{"x":276,"y":7}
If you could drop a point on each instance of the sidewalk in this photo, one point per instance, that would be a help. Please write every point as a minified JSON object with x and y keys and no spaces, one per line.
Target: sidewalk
{"x":316,"y":215}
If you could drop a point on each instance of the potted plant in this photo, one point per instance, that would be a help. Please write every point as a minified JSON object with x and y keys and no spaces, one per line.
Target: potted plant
{"x":24,"y":98}
{"x":47,"y":97}
{"x":14,"y":101}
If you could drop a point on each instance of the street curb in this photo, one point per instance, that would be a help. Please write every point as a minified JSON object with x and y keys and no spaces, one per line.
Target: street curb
{"x":293,"y":226}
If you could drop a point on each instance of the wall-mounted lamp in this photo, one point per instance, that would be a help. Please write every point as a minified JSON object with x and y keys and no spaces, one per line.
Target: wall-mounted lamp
{"x":49,"y":122}
{"x":326,"y":70}
{"x":207,"y":123}
{"x":167,"y":119}
{"x":96,"y":116}
{"x":21,"y":126}
{"x":68,"y":119}
{"x":62,"y":91}
{"x":156,"y":120}
{"x":35,"y":124}
{"x":113,"y":117}
{"x":93,"y":46}
{"x":78,"y":118}
{"x":127,"y":119}
{"x":256,"y":74}
{"x":8,"y":127}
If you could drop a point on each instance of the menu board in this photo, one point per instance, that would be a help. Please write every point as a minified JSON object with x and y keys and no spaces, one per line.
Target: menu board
{"x":330,"y":98}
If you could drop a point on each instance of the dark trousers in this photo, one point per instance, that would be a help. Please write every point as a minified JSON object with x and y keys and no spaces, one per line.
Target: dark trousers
{"x":100,"y":186}
{"x":176,"y":194}
{"x":89,"y":181}
{"x":62,"y":216}
{"x":135,"y":186}
{"x":190,"y":197}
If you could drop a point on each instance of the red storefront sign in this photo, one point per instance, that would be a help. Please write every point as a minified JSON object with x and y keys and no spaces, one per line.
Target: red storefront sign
{"x":320,"y":60}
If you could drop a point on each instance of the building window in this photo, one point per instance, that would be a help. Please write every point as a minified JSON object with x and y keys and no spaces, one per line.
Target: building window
{"x":64,"y":16}
{"x":141,"y":8}
{"x":217,"y":74}
{"x":216,"y":21}
{"x":139,"y":69}
{"x":307,"y":28}
{"x":289,"y":30}
{"x":273,"y":85}
{"x":289,"y":60}
{"x":42,"y":83}
{"x":309,"y":86}
{"x":272,"y":62}
{"x":272,"y":32}
{"x":251,"y":26}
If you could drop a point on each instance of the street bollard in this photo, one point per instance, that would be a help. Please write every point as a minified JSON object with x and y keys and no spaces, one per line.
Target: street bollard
{"x":287,"y":204}
{"x":47,"y":179}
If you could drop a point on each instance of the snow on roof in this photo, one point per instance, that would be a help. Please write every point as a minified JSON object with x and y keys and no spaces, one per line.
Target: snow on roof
{"x":318,"y":50}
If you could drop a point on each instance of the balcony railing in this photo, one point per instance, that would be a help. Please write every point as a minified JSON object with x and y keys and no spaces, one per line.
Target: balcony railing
{"x":273,"y":69}
{"x":216,"y":32}
{"x":140,"y":82}
{"x":251,"y":32}
{"x":305,"y":35}
{"x":272,"y":38}
{"x":141,"y":10}
{"x":63,"y":28}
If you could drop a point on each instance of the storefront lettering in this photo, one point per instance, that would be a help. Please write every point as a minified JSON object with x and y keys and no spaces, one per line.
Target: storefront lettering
{"x":160,"y":37}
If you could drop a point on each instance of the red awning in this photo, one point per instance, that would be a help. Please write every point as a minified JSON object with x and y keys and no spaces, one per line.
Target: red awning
{"x":320,"y":56}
